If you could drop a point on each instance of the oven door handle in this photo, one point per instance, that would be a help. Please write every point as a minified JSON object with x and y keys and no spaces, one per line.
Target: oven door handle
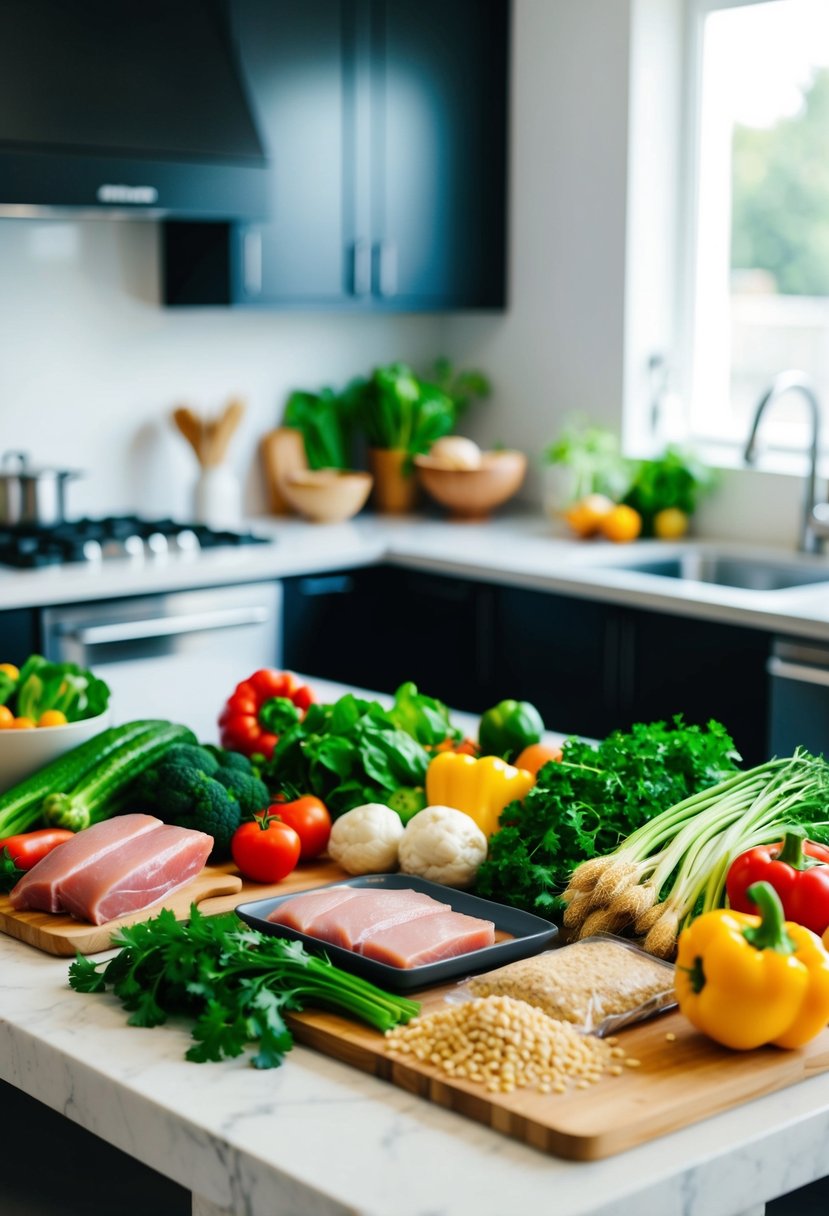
{"x":167,"y":627}
{"x":780,"y":669}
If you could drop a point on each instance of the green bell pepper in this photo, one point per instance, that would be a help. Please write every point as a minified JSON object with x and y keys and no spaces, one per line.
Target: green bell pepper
{"x":509,"y":727}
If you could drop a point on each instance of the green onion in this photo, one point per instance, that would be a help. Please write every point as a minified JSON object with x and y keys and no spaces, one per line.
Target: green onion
{"x":675,"y":866}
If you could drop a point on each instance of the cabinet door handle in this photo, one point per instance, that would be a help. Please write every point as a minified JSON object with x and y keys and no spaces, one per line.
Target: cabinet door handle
{"x":386,"y":269}
{"x":252,"y":262}
{"x":361,"y":268}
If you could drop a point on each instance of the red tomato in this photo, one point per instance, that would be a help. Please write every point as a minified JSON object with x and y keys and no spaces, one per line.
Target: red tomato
{"x":265,"y":849}
{"x":309,"y":818}
{"x":27,"y":849}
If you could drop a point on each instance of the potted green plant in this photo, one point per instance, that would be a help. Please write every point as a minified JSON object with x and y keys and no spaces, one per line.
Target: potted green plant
{"x":401,"y":417}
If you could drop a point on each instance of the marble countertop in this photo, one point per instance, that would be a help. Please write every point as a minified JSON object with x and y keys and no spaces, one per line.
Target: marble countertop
{"x":518,"y":550}
{"x":317,"y":1137}
{"x":320,"y":1138}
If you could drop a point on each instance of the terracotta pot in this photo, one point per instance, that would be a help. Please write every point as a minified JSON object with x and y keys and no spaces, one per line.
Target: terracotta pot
{"x":283,"y":454}
{"x":395,"y":492}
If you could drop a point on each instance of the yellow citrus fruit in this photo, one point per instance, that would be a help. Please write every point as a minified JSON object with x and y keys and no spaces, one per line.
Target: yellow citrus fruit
{"x":586,"y":515}
{"x":621,"y":524}
{"x":670,"y":524}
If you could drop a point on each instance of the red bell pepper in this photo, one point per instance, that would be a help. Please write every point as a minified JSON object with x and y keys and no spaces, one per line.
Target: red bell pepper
{"x":797,"y":868}
{"x":260,"y":709}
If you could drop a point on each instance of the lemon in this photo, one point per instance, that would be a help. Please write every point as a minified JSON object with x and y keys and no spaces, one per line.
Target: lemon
{"x":670,"y":524}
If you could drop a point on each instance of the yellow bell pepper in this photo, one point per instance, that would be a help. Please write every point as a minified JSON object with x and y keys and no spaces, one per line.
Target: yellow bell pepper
{"x":749,"y":980}
{"x":479,"y":788}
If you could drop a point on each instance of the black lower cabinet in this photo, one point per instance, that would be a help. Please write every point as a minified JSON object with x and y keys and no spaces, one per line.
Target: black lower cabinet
{"x":589,"y":667}
{"x":19,"y":635}
{"x":701,"y":669}
{"x":558,"y":653}
{"x":380,"y":626}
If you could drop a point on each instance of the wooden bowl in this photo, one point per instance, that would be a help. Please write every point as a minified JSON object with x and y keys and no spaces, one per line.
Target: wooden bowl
{"x":327,"y":496}
{"x":473,"y":493}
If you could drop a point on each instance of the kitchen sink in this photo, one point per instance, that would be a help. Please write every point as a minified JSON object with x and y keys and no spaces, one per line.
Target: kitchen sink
{"x":728,"y":570}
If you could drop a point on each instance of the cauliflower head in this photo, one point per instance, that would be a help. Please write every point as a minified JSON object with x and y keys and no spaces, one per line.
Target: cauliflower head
{"x":443,"y":845}
{"x":365,"y":840}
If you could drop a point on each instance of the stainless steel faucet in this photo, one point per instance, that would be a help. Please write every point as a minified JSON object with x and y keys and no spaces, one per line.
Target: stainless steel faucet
{"x":815,"y":521}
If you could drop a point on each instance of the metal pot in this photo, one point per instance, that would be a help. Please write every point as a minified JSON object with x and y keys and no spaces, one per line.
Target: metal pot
{"x":29,"y":495}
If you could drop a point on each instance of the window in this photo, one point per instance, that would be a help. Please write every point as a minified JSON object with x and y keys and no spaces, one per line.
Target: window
{"x":760,"y":240}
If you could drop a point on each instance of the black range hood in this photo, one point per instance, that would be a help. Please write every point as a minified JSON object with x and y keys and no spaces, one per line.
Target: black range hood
{"x":125,"y":107}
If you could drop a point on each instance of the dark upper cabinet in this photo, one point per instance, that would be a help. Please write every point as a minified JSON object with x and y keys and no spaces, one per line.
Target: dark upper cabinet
{"x":438,"y":117}
{"x":385,"y":125}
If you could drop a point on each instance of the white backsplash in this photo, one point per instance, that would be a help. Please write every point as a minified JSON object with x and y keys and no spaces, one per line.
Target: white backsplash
{"x":91,"y":364}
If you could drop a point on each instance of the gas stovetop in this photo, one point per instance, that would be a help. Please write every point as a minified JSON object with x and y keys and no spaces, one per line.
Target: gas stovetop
{"x":116,"y":536}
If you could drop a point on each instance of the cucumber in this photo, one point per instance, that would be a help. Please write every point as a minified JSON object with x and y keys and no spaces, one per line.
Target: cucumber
{"x":96,"y":796}
{"x":21,"y":806}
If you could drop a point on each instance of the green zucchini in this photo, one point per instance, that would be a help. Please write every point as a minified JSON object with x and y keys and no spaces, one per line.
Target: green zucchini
{"x":21,"y":806}
{"x":96,"y":796}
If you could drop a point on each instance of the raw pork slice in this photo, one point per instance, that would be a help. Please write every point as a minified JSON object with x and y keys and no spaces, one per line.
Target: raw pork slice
{"x":349,"y":924}
{"x":140,"y":873}
{"x":428,"y":940}
{"x":40,"y":888}
{"x":301,"y":910}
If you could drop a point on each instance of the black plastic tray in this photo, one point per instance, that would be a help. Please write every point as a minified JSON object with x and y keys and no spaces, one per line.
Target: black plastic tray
{"x":529,"y":934}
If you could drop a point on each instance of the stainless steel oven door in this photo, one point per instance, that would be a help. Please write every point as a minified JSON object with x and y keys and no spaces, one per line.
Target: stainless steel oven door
{"x":176,"y":656}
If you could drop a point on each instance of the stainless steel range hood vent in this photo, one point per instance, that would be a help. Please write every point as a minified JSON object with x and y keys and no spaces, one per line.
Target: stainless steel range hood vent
{"x":128,"y":107}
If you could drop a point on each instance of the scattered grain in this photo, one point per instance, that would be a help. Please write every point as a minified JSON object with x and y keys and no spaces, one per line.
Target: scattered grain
{"x":553,"y":1055}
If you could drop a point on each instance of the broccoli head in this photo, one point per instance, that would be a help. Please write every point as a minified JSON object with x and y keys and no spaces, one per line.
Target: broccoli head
{"x":191,"y":753}
{"x":251,"y":793}
{"x":232,"y":760}
{"x":181,"y":789}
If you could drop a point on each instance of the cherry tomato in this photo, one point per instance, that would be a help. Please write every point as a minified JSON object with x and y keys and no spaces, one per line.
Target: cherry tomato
{"x":6,"y":716}
{"x":309,"y":818}
{"x":52,"y":717}
{"x":265,"y":849}
{"x":9,"y":669}
{"x":22,"y":724}
{"x":27,"y":849}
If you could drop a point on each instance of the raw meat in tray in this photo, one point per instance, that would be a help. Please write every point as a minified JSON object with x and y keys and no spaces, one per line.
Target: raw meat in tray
{"x":403,"y":928}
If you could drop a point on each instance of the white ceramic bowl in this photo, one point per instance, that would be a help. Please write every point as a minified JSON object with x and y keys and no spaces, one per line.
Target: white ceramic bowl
{"x":23,"y":752}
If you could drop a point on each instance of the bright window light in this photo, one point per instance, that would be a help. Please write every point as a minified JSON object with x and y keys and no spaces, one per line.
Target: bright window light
{"x":761,"y":273}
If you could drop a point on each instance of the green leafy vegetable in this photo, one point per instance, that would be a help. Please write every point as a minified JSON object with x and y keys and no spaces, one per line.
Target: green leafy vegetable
{"x":326,"y":421}
{"x":355,"y":751}
{"x":232,"y":982}
{"x":594,"y":458}
{"x":10,"y":872}
{"x":397,"y":410}
{"x":675,"y":479}
{"x":596,"y":796}
{"x":73,"y":690}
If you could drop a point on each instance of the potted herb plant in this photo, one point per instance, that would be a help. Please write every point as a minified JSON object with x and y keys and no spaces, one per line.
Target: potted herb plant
{"x":401,"y":417}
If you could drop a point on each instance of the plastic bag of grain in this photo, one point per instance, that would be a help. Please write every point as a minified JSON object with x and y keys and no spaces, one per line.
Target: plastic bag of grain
{"x":598,"y":984}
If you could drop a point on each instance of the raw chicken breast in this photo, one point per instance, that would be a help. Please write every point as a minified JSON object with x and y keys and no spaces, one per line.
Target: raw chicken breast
{"x":348,"y":924}
{"x":428,"y":940}
{"x":301,"y":910}
{"x":138,"y":874}
{"x":40,"y":888}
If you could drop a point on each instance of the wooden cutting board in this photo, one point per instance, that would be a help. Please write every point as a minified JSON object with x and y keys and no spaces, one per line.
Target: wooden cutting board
{"x":217,"y":889}
{"x":677,"y":1082}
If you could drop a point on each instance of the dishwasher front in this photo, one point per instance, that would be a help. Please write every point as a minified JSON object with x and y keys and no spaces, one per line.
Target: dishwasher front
{"x":176,"y":656}
{"x":799,"y":700}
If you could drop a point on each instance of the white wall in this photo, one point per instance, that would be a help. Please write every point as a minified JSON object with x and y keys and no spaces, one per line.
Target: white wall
{"x":559,"y":348}
{"x":91,"y":365}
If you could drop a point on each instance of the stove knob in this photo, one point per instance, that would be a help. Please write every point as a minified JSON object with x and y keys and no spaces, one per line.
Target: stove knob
{"x":92,"y":551}
{"x":186,"y":541}
{"x":134,"y":547}
{"x":157,"y":545}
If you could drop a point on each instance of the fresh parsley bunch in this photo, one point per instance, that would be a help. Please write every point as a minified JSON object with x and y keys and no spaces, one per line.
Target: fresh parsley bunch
{"x":583,"y":806}
{"x":232,"y":982}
